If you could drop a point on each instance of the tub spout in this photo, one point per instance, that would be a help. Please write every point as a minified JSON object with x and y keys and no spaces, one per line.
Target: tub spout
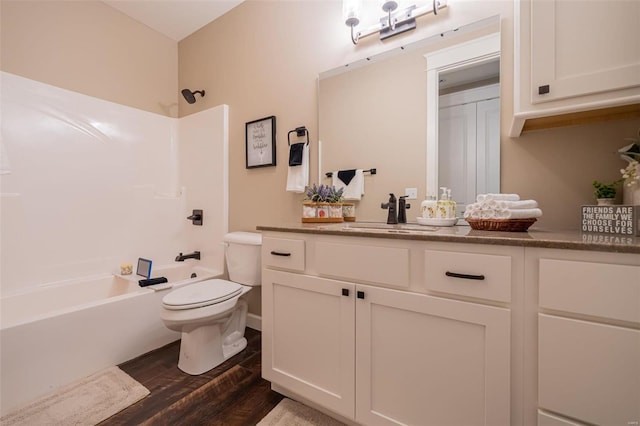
{"x":182,"y":257}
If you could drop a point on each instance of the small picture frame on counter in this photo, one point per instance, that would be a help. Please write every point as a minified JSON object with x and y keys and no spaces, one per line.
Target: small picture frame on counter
{"x":614,"y":220}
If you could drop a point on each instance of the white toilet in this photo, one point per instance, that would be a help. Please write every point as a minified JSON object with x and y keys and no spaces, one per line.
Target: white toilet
{"x":211,"y":314}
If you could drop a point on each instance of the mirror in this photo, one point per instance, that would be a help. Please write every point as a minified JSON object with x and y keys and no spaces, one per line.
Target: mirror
{"x":374,"y":114}
{"x":463,"y":121}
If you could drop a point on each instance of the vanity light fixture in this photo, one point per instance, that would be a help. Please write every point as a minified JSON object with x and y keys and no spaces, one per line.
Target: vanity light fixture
{"x":393,"y":23}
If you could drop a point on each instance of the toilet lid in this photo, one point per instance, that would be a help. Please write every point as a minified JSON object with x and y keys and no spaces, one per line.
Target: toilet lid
{"x":203,"y":293}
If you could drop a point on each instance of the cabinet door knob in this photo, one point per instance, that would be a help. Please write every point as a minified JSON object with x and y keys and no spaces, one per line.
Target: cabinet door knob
{"x":543,"y":90}
{"x":279,"y":253}
{"x":345,"y":291}
{"x":360,"y":294}
{"x":464,"y":276}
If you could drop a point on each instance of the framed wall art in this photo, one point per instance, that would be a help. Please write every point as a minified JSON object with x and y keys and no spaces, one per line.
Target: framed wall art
{"x":261,"y":142}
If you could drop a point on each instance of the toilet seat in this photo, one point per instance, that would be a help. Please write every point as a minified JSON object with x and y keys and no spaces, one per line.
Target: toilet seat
{"x":200,"y":294}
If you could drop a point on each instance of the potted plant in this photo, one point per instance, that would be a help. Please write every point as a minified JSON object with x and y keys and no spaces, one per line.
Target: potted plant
{"x":605,"y":192}
{"x":322,"y":204}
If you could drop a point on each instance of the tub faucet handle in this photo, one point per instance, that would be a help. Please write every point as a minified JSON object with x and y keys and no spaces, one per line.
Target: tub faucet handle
{"x":196,"y":217}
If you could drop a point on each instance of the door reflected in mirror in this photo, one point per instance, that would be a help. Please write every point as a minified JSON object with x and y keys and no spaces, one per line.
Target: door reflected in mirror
{"x":469,"y":131}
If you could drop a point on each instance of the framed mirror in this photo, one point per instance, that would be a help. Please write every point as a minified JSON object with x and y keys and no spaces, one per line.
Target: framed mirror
{"x":373,"y":114}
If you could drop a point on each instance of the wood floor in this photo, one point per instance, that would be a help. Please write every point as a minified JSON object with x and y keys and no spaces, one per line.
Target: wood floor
{"x":231,"y":394}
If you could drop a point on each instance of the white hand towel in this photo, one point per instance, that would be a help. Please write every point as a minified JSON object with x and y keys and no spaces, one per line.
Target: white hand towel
{"x":355,"y":189}
{"x":522,"y":204}
{"x":497,"y":197}
{"x":298,"y":176}
{"x":519,"y":214}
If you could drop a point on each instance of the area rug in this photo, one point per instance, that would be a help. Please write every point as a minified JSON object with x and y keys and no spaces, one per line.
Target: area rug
{"x":85,"y":402}
{"x":292,"y":413}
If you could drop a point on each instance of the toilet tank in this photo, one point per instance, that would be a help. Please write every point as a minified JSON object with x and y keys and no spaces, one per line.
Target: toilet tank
{"x":243,"y":257}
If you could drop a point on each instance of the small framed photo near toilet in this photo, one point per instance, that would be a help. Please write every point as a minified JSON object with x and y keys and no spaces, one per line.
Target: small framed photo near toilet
{"x":261,"y":142}
{"x":144,"y":268}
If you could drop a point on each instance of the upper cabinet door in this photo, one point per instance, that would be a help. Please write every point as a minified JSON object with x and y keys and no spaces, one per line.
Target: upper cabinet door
{"x":583,"y":47}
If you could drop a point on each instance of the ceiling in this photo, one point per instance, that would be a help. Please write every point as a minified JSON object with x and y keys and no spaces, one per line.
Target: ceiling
{"x":174,"y":18}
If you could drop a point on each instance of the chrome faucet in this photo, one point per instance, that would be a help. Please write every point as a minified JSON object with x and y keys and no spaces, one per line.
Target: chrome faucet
{"x":182,"y":257}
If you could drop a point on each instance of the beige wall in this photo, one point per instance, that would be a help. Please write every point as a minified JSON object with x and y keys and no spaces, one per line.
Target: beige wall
{"x":263,"y":57}
{"x":88,"y":47}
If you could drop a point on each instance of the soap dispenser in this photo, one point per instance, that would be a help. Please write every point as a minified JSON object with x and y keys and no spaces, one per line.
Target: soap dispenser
{"x":429,"y":206}
{"x":443,"y":206}
{"x":452,"y":205}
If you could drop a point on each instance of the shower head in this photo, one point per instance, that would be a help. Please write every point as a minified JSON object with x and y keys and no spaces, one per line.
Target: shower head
{"x":189,"y":95}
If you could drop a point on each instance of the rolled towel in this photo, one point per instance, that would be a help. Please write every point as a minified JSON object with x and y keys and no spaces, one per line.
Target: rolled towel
{"x":488,"y":214}
{"x":488,"y":204}
{"x":497,"y":197}
{"x":519,"y":214}
{"x":522,"y":204}
{"x":472,"y":211}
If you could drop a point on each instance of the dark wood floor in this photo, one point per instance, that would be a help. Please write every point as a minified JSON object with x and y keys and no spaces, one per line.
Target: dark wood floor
{"x":231,"y":394}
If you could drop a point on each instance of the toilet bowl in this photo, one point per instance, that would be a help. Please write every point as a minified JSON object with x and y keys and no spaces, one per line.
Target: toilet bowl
{"x":212,"y":314}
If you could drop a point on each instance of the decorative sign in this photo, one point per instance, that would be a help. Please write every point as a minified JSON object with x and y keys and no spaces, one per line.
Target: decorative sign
{"x":260,"y":141}
{"x":618,"y":220}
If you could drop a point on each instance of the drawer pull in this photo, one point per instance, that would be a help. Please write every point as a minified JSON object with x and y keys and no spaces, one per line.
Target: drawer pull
{"x":465,"y":276}
{"x":279,"y":253}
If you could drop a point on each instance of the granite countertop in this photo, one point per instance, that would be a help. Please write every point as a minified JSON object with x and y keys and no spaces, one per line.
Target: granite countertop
{"x":574,"y":240}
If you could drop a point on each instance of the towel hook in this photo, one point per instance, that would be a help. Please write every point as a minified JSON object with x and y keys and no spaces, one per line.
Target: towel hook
{"x":300,"y":132}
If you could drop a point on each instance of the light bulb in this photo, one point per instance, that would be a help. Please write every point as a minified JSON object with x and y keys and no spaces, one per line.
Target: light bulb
{"x":351,"y":12}
{"x":388,"y":5}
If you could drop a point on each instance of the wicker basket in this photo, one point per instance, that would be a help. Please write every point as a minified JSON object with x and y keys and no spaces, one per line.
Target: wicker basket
{"x":509,"y":225}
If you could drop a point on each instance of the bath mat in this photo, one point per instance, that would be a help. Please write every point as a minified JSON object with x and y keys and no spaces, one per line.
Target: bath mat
{"x":292,"y":413}
{"x":85,"y":402}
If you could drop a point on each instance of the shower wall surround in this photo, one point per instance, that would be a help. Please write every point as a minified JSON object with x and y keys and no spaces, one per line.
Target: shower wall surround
{"x":87,"y":184}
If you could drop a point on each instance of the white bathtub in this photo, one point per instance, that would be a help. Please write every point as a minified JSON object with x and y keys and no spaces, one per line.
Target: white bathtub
{"x":65,"y":331}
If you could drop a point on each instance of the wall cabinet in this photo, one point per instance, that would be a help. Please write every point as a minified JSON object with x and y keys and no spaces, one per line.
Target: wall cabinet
{"x":379,"y":349}
{"x":572,"y":57}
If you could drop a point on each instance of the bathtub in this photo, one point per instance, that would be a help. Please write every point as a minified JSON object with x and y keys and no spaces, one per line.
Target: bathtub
{"x":64,"y":331}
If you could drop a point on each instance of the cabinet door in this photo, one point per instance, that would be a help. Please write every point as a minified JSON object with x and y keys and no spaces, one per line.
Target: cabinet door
{"x":589,"y":371}
{"x":308,"y":337}
{"x":423,"y":360}
{"x":583,"y":47}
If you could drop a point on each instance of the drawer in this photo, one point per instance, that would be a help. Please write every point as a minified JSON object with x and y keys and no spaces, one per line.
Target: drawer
{"x":588,"y":371}
{"x":484,"y":276}
{"x":599,"y":289}
{"x":283,"y":253}
{"x":381,"y":265}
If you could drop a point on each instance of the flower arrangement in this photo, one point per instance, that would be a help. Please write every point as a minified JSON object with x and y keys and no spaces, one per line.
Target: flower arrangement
{"x":322,"y":204}
{"x":324,"y":194}
{"x":631,"y":153}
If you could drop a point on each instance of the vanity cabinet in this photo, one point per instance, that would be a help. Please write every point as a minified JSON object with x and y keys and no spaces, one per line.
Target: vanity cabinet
{"x":375,"y":331}
{"x":586,"y":327}
{"x":573,"y":57}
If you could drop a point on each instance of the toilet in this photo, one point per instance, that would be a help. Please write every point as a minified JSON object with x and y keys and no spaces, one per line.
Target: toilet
{"x":212,"y":314}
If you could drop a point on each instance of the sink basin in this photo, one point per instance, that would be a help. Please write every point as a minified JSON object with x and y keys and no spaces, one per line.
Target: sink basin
{"x":401,"y":228}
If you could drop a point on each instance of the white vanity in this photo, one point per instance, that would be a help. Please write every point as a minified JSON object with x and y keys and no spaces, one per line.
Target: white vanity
{"x":459,"y":327}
